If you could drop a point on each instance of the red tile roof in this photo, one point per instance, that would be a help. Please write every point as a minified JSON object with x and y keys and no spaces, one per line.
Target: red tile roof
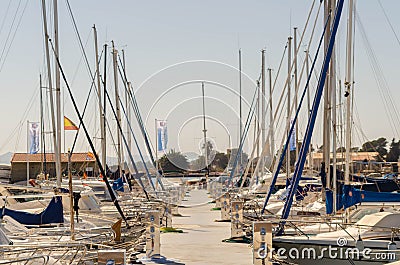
{"x":76,"y":157}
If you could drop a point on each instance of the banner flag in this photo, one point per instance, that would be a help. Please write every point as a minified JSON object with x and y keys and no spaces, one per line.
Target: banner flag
{"x":34,"y":133}
{"x":292,"y":142}
{"x":162,"y":135}
{"x":69,"y":125}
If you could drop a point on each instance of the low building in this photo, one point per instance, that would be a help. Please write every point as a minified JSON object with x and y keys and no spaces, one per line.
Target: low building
{"x":38,"y":163}
{"x":317,"y":158}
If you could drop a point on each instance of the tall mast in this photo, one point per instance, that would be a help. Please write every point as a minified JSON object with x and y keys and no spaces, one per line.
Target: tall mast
{"x":128,"y":109}
{"x":349,"y":89}
{"x":327,"y":100}
{"x":41,"y":126}
{"x":296,"y":88}
{"x":263,"y":98}
{"x":205,"y":132}
{"x":288,"y":104}
{"x":58,"y":94}
{"x":332,"y":80}
{"x":119,"y":153}
{"x":271,"y":117}
{"x":104,"y":140}
{"x":101,"y":112}
{"x":257,"y":125}
{"x":50,"y":87}
{"x":310,"y":160}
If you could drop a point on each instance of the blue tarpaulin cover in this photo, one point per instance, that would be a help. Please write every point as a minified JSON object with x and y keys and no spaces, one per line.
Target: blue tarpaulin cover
{"x":52,"y":214}
{"x":351,"y":196}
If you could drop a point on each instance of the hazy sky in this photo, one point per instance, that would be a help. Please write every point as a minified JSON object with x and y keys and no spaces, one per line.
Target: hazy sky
{"x":171,"y":46}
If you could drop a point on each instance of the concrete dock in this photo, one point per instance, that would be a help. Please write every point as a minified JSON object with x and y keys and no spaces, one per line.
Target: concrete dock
{"x":201,"y":243}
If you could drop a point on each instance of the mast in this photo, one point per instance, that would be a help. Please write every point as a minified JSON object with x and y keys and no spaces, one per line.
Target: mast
{"x":205,"y":133}
{"x":240,"y":106}
{"x":349,"y":91}
{"x":257,"y":126}
{"x":58,"y":95}
{"x":50,"y":87}
{"x":334,"y":134}
{"x":327,"y":100}
{"x":296,"y":88}
{"x":288,"y":105}
{"x":128,"y":109}
{"x":271,"y":117}
{"x":332,"y":80}
{"x":41,"y":127}
{"x":102,"y":124}
{"x":119,"y":151}
{"x":104,"y":140}
{"x":71,"y":199}
{"x":262,"y":108}
{"x":310,"y":160}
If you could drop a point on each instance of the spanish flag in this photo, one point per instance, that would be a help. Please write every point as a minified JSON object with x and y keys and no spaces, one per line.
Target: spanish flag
{"x":69,"y":125}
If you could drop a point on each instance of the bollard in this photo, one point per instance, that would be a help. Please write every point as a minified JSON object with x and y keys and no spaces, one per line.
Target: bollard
{"x":262,"y":243}
{"x":237,"y":218}
{"x":225,"y":207}
{"x":153,"y":234}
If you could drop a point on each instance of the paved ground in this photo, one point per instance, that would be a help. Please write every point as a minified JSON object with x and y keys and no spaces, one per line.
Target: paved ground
{"x":202,"y":241}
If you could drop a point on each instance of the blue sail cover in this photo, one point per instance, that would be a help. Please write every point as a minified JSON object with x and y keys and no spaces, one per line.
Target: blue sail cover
{"x":52,"y":214}
{"x":118,"y":184}
{"x":351,"y":196}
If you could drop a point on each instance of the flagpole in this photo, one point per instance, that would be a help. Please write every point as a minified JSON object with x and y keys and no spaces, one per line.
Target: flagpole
{"x":156,"y":129}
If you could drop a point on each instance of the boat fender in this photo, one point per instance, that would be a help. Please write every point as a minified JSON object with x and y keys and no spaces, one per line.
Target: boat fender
{"x":360,"y":244}
{"x":392,"y":246}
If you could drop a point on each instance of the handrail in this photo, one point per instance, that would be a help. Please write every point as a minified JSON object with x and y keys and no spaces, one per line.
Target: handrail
{"x":45,"y":259}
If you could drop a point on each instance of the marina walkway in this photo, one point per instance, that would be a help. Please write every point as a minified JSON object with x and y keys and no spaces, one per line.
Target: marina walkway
{"x":201,"y":242}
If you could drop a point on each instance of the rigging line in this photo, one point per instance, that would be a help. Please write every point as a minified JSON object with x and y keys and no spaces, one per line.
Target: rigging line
{"x":11,"y":28}
{"x":80,"y":61}
{"x":113,"y":198}
{"x":127,"y":146}
{"x":279,"y":67}
{"x":83,"y":114}
{"x":388,"y":21}
{"x":362,"y":132}
{"x":137,"y":145}
{"x":21,"y":121}
{"x":311,"y":123}
{"x":244,"y":135}
{"x":253,"y":150}
{"x":137,"y":111}
{"x":378,"y":65}
{"x":302,"y":70}
{"x":13,"y":37}
{"x":80,"y":41}
{"x":380,"y":79}
{"x":5,"y":16}
{"x":285,"y":146}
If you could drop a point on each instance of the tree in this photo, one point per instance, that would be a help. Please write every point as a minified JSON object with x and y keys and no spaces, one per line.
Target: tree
{"x":378,"y":145}
{"x":220,"y":161}
{"x":394,"y":151}
{"x":355,"y":149}
{"x":173,"y":162}
{"x":232,"y":153}
{"x":341,"y":149}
